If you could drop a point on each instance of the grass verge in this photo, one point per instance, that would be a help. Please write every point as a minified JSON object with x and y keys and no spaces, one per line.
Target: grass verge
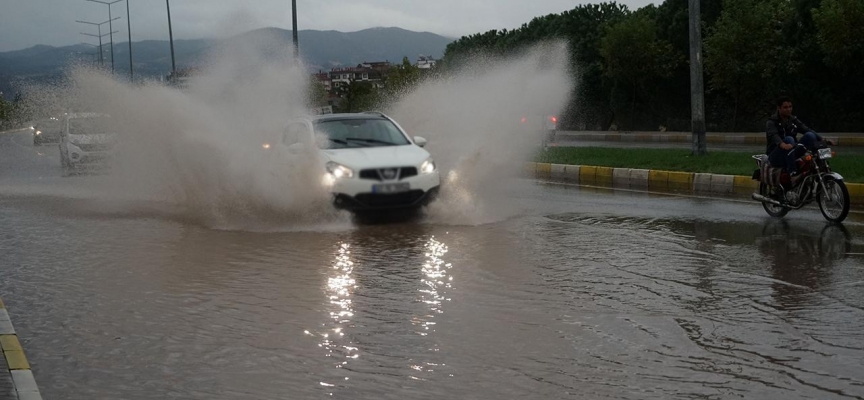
{"x":716,"y":162}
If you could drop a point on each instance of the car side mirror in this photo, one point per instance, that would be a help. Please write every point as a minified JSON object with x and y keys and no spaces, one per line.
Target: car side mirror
{"x":420,"y":141}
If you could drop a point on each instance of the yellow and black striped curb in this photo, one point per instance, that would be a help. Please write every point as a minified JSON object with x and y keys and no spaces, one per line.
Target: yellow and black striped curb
{"x":748,"y":139}
{"x":659,"y":180}
{"x":13,"y":130}
{"x":19,"y":368}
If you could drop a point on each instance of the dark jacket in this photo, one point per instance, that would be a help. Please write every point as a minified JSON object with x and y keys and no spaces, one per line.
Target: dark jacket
{"x":776,"y":130}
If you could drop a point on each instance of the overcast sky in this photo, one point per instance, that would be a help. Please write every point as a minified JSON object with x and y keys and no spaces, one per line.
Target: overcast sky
{"x":24,"y":23}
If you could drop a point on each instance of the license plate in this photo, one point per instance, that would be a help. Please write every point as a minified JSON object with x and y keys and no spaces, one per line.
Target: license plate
{"x":389,"y":188}
{"x":824,"y":153}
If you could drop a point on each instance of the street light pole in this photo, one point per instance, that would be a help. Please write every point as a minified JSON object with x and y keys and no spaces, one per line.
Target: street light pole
{"x":294,"y":27}
{"x":171,"y":38}
{"x":99,"y":25}
{"x":110,"y":27}
{"x":129,"y":31}
{"x":697,"y":88}
{"x":99,"y":46}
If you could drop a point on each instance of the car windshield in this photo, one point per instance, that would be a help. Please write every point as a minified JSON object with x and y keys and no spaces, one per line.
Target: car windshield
{"x":48,"y":125}
{"x":351,"y":133}
{"x":89,"y":126}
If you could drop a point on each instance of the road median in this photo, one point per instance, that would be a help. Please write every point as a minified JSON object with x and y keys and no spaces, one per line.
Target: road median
{"x":850,"y":166}
{"x":658,"y":180}
{"x":737,"y":138}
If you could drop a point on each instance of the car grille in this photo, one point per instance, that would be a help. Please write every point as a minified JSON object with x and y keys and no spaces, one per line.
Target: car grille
{"x":390,"y":200}
{"x":376,"y":174}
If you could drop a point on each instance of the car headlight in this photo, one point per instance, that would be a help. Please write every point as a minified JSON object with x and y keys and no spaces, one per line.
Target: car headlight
{"x":427,"y":167}
{"x":339,"y":170}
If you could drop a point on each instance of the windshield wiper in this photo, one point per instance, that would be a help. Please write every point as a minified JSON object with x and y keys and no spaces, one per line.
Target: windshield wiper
{"x":372,"y":141}
{"x":342,"y":142}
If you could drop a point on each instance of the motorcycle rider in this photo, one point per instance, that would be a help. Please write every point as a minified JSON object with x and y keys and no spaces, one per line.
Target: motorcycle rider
{"x":782,"y":130}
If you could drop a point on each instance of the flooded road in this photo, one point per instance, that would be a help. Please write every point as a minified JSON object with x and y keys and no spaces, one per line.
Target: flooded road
{"x":579,"y":293}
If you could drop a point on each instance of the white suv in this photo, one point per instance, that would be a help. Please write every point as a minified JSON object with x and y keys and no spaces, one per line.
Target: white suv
{"x":86,"y":142}
{"x":369,"y":162}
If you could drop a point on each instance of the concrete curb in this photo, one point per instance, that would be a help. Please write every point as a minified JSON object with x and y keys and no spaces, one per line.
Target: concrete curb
{"x":13,"y":130}
{"x":19,"y":368}
{"x":747,"y":139}
{"x":664,"y":181}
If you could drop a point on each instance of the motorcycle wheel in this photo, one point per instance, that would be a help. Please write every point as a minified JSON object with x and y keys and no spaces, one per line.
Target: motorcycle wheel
{"x":772,"y":210}
{"x":834,"y":201}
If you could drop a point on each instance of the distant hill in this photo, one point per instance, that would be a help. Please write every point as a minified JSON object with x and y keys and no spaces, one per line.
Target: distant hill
{"x":319,"y":49}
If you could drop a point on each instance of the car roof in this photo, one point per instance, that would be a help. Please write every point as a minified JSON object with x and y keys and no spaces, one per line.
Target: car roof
{"x":347,"y":116}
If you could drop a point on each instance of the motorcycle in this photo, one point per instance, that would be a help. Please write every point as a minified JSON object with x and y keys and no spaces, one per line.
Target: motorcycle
{"x":779,"y":193}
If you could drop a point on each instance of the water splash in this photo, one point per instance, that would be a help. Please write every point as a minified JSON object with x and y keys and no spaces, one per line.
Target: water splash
{"x":473,"y":120}
{"x":198,"y":150}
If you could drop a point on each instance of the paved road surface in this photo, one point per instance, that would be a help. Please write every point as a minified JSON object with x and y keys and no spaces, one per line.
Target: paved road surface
{"x":535,"y":292}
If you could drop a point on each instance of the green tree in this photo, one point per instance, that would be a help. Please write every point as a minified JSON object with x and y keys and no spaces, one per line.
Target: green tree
{"x":633,"y":56}
{"x":316,"y":93}
{"x":747,"y":55}
{"x":840,"y":25}
{"x":584,"y":27}
{"x":360,"y":96}
{"x":754,"y":50}
{"x":5,"y":112}
{"x":402,"y":79}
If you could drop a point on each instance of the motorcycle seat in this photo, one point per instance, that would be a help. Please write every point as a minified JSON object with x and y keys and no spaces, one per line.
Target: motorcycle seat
{"x":768,"y":174}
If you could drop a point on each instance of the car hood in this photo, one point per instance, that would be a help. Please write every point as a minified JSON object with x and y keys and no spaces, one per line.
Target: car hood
{"x":378,"y":157}
{"x":96,"y":138}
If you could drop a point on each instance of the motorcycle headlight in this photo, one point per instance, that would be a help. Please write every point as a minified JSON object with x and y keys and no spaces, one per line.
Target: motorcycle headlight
{"x":428,"y":166}
{"x":38,"y":133}
{"x":339,"y":170}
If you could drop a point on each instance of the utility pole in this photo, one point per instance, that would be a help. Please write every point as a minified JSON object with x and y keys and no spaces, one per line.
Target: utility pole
{"x":697,"y":88}
{"x":110,"y":27}
{"x":100,"y":35}
{"x":294,"y":27}
{"x":99,"y":47}
{"x":129,"y":31}
{"x":171,"y":38}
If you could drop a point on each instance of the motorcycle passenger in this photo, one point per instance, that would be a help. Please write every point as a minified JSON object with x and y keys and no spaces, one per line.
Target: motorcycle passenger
{"x":782,"y":130}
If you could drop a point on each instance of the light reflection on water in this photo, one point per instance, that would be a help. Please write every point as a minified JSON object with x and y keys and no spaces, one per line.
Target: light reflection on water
{"x":435,"y":284}
{"x":340,"y":287}
{"x":591,"y":306}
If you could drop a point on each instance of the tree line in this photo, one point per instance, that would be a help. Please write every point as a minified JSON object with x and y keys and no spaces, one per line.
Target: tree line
{"x":12,"y":113}
{"x":631,"y":68}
